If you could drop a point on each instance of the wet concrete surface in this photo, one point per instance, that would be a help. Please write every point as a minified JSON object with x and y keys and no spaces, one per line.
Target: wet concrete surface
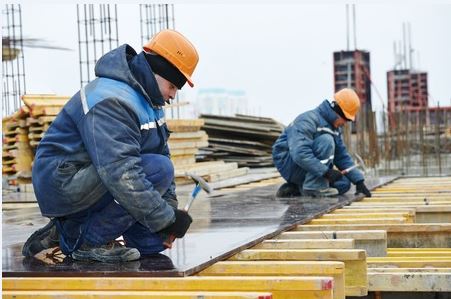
{"x":222,"y":226}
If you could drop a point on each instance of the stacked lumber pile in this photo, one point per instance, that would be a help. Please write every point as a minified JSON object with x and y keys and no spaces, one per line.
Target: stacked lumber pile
{"x":184,"y":143}
{"x":17,"y":154}
{"x":43,"y":110}
{"x":246,"y":140}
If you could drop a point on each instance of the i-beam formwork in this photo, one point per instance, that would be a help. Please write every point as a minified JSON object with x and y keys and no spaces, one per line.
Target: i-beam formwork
{"x":97,"y":34}
{"x":13,"y":66}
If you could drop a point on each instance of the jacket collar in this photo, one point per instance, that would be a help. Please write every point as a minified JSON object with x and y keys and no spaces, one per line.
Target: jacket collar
{"x":326,"y":111}
{"x":145,"y":77}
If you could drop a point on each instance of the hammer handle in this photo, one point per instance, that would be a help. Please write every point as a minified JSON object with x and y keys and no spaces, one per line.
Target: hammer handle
{"x":171,"y":238}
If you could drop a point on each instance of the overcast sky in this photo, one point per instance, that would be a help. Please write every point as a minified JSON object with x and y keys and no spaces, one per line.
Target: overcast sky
{"x":280,"y":55}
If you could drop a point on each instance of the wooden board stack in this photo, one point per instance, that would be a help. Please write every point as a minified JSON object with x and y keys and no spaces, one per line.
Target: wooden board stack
{"x":246,"y":140}
{"x":43,"y":110}
{"x":184,"y":142}
{"x":17,"y":155}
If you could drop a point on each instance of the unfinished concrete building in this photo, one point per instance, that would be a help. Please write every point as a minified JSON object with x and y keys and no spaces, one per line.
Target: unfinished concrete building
{"x":352,"y":69}
{"x":406,"y":90}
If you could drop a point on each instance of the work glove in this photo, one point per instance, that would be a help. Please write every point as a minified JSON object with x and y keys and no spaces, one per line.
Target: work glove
{"x":333,"y":175}
{"x":361,"y":188}
{"x":180,"y":226}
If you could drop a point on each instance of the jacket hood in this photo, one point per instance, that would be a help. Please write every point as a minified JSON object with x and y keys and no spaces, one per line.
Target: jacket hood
{"x":326,"y":111}
{"x":124,"y":64}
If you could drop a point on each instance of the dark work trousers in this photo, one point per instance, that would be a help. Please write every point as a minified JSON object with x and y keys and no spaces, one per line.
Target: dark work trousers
{"x":107,"y":220}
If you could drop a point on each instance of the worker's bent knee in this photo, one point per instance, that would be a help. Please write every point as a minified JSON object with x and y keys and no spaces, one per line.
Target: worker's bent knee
{"x":159,"y":171}
{"x":324,"y":146}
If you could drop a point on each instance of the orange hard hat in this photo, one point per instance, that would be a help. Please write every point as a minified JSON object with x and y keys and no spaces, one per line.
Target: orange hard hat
{"x":176,"y":49}
{"x":348,"y":101}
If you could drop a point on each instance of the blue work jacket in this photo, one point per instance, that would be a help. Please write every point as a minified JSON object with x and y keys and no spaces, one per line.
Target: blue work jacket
{"x":95,"y":144}
{"x":296,"y":141}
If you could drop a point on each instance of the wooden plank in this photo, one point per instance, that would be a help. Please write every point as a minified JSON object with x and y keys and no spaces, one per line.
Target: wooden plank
{"x":184,"y":125}
{"x":281,"y":268}
{"x":374,"y":242}
{"x":203,"y":170}
{"x":216,"y":177}
{"x":354,"y":260}
{"x":188,"y":135}
{"x":280,"y":286}
{"x":306,"y":244}
{"x":45,"y":110}
{"x":411,"y":235}
{"x":244,"y":179}
{"x":134,"y":294}
{"x":409,"y":216}
{"x":409,"y":262}
{"x":408,"y":281}
{"x":358,"y":221}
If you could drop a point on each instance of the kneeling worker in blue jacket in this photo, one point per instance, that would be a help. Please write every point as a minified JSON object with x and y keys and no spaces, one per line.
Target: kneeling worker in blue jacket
{"x":102,"y":169}
{"x":307,"y":151}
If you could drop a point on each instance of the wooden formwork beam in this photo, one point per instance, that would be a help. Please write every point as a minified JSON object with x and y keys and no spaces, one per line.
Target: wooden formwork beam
{"x":359,"y":221}
{"x":280,"y":286}
{"x":282,"y":268}
{"x":374,"y":242}
{"x":133,"y":294}
{"x":306,"y":244}
{"x":411,"y":235}
{"x":354,"y":259}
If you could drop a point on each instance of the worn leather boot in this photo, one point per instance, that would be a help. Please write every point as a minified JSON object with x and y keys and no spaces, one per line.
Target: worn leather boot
{"x":113,"y":252}
{"x":327,"y":192}
{"x":288,"y":190}
{"x":44,"y":238}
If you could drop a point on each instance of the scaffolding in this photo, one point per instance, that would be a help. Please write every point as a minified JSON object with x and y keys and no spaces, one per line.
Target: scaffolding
{"x":13,"y":66}
{"x":97,"y":34}
{"x":154,"y":18}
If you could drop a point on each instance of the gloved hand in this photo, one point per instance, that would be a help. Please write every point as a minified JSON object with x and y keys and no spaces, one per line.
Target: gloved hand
{"x":333,"y":175}
{"x":361,"y":188}
{"x":180,"y":226}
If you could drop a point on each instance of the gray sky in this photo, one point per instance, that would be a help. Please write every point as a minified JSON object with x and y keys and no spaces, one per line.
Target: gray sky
{"x":279,"y":54}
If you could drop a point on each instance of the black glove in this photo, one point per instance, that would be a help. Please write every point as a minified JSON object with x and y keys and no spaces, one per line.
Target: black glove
{"x":361,"y":188}
{"x":180,"y":226}
{"x":333,"y":175}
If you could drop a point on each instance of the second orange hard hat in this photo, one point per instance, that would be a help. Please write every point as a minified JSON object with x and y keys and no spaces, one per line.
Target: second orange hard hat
{"x":348,"y":101}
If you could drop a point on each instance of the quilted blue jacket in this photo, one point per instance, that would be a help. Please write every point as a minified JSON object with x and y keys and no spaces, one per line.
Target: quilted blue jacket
{"x":297,"y":140}
{"x":95,"y":144}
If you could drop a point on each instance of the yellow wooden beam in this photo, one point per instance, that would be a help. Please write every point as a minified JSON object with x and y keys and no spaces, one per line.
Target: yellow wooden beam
{"x":133,"y":294}
{"x":408,"y":281}
{"x":433,"y":235}
{"x":419,"y":252}
{"x":374,"y":242}
{"x":279,"y":286}
{"x":358,"y":221}
{"x":282,"y":268}
{"x":306,"y":244}
{"x":354,"y":259}
{"x":344,"y":234}
{"x":408,"y":262}
{"x":365,"y":214}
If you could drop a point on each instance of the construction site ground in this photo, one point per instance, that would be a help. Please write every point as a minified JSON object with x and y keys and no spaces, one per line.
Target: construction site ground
{"x":245,"y":243}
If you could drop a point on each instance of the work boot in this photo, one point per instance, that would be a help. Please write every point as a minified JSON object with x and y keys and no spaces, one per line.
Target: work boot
{"x":288,"y":190}
{"x":113,"y":252}
{"x":44,"y":238}
{"x":327,"y":192}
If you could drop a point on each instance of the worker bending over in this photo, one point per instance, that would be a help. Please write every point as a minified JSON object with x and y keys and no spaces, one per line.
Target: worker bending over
{"x":308,"y":149}
{"x":102,"y":169}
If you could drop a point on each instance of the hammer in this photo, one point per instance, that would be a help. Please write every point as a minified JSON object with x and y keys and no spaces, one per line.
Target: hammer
{"x":360,"y":163}
{"x":201,"y":184}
